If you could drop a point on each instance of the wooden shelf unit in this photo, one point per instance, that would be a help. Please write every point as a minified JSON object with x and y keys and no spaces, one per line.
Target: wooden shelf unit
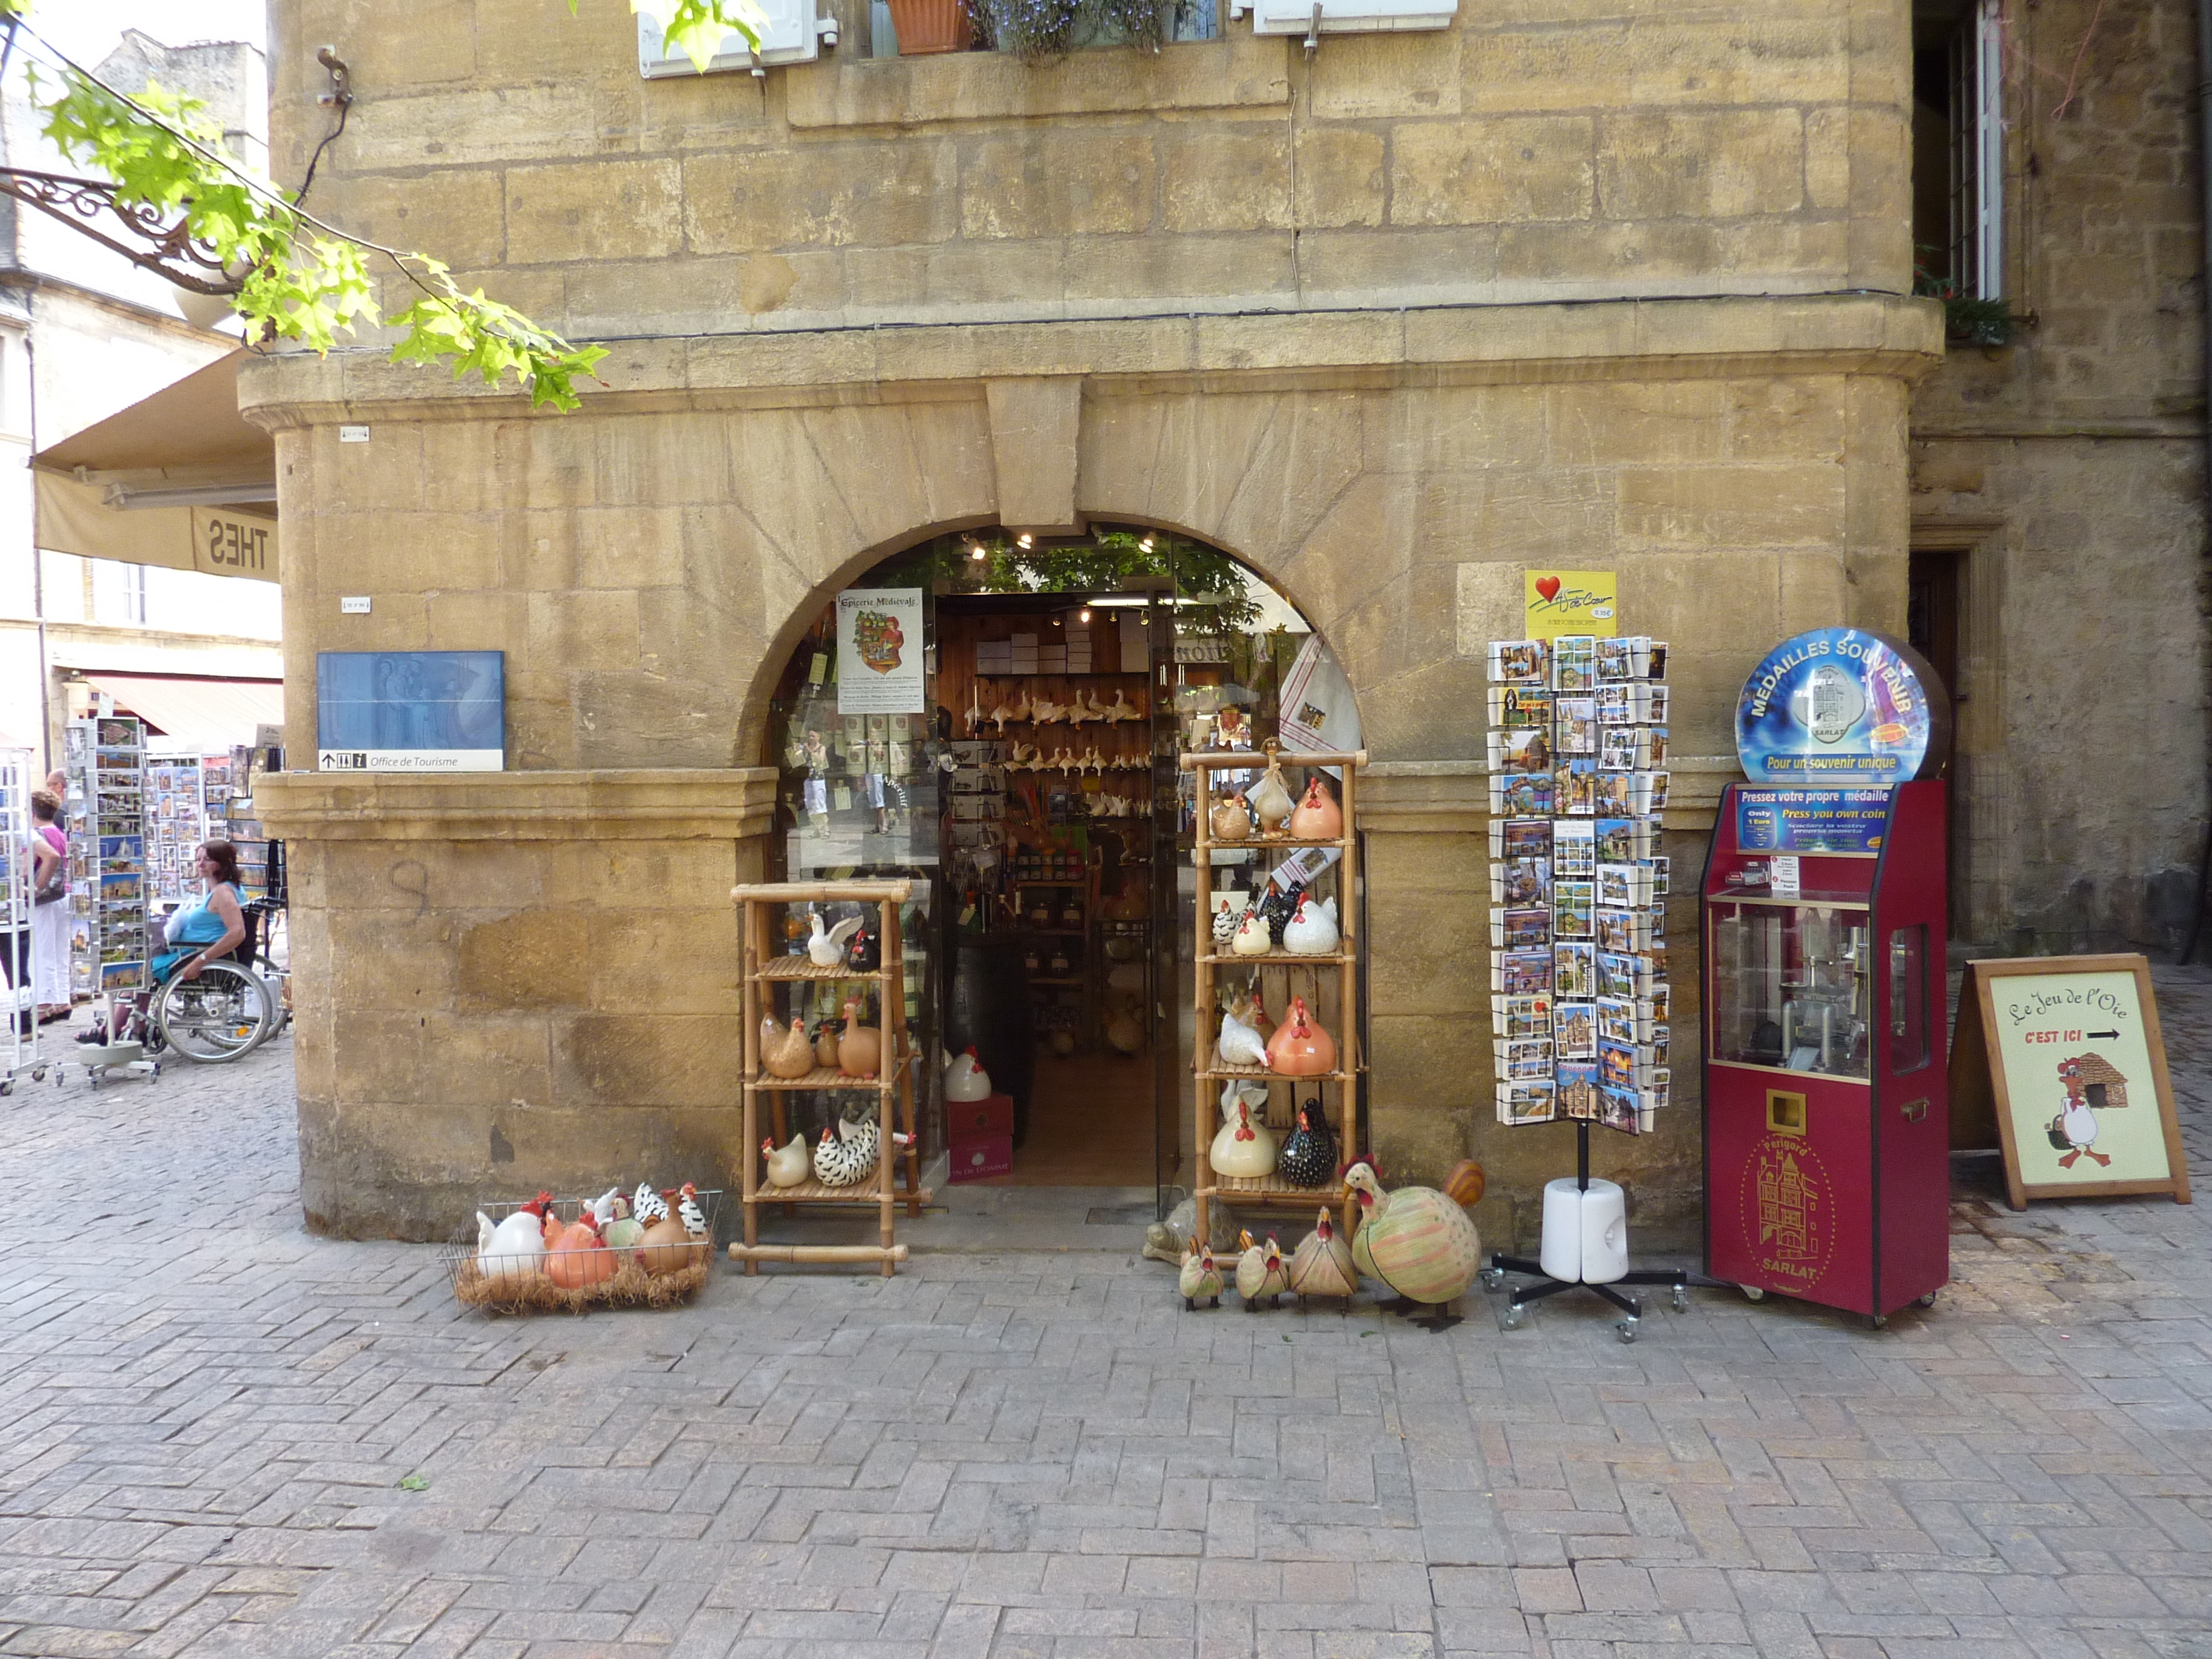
{"x":1271,"y":1192}
{"x":764,"y":968}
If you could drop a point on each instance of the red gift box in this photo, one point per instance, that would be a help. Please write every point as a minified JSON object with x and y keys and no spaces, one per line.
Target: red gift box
{"x":993,"y":1114}
{"x":973,"y":1157}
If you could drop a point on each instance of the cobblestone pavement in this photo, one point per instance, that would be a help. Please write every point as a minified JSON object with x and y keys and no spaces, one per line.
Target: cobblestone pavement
{"x":218,"y":1436}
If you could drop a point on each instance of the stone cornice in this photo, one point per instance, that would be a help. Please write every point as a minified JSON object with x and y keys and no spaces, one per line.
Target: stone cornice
{"x":673,"y":804}
{"x":1716,"y":337}
{"x":1453,"y":797}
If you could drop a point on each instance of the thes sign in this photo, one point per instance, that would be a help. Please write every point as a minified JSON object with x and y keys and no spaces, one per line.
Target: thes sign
{"x":228,"y":543}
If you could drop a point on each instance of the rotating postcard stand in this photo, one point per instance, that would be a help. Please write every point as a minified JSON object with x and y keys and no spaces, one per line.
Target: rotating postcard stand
{"x":1577,"y":753}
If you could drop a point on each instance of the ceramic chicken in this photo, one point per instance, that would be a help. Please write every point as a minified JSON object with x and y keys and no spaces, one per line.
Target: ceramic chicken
{"x":1252,"y":937}
{"x":786,"y":1054}
{"x":1300,"y":1047}
{"x":514,"y":1249}
{"x":1231,"y":819}
{"x":622,"y":1230}
{"x":553,"y":1227}
{"x":1242,"y":1147}
{"x":646,"y":1204}
{"x":667,"y":1246}
{"x":860,"y":1048}
{"x":1227,"y":918}
{"x":1200,"y":1277}
{"x":1241,"y":1044}
{"x":1322,"y":1264}
{"x":825,"y":1044}
{"x":1313,"y":930}
{"x":843,"y":1158}
{"x":1260,"y":1272}
{"x":695,"y":1222}
{"x":1317,"y":816}
{"x":1270,"y":799}
{"x":826,"y":946}
{"x":581,"y":1259}
{"x":785,"y":1166}
{"x":1308,"y":1156}
{"x":603,"y":1206}
{"x":1418,"y":1241}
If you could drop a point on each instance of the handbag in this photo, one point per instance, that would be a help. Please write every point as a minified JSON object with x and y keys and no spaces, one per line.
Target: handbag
{"x":55,"y":886}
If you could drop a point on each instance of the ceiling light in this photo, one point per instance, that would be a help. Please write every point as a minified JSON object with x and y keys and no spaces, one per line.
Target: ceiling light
{"x":976,"y":550}
{"x":1145,"y":544}
{"x":1083,"y":616}
{"x":1022,"y":541}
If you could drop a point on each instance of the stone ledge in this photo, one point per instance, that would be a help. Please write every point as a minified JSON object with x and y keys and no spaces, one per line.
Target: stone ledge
{"x":1888,"y":335}
{"x":1233,"y":73}
{"x":673,"y":804}
{"x":1452,"y":797}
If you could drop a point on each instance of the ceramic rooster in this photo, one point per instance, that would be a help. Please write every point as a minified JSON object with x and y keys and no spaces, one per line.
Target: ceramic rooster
{"x":786,"y":1166}
{"x":1260,"y":1272}
{"x":515,"y":1248}
{"x":1201,"y":1277}
{"x":1322,"y":1264}
{"x":1309,"y":1157}
{"x":1418,"y":1241}
{"x":826,"y":946}
{"x":1317,"y":817}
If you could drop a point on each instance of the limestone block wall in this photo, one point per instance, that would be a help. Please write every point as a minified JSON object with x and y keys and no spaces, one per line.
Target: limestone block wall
{"x":1539,"y":150}
{"x":2068,"y":470}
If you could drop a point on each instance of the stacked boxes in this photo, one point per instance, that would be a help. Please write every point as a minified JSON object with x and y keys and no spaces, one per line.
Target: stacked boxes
{"x":1578,"y":752}
{"x":1079,"y":644}
{"x":1024,"y":659}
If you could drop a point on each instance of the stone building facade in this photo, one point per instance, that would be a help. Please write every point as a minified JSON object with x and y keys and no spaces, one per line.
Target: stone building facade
{"x":1607,"y":287}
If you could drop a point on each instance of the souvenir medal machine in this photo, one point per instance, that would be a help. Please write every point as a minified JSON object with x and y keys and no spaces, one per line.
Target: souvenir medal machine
{"x":1826,"y":1110}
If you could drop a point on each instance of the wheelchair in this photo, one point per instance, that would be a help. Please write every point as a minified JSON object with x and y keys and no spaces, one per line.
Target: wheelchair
{"x":223,"y":1013}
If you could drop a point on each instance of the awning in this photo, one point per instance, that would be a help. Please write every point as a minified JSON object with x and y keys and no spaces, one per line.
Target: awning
{"x":179,"y":479}
{"x":213,"y":715}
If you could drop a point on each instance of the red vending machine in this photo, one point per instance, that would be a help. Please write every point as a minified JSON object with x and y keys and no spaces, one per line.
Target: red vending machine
{"x":1826,"y":1115}
{"x":1826,"y":1110}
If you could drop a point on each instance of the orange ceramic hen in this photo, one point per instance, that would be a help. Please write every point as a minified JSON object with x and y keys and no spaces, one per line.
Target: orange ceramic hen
{"x":1300,"y":1047}
{"x":580,"y":1257}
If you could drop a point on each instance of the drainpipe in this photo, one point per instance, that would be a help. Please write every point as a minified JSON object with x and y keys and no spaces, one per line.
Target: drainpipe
{"x":2204,"y":207}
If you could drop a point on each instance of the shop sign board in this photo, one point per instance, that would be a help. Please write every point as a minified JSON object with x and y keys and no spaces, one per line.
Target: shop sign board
{"x":1811,"y":820}
{"x":2060,"y":1061}
{"x":411,"y":711}
{"x":1557,"y":602}
{"x":880,"y":660}
{"x":1837,"y":708}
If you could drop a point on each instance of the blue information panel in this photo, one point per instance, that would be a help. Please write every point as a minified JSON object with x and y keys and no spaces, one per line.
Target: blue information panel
{"x":411,"y":711}
{"x":1810,"y":820}
{"x":1837,"y":707}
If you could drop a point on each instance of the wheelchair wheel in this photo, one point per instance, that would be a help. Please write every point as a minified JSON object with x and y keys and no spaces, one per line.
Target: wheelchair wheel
{"x":222,"y":1015}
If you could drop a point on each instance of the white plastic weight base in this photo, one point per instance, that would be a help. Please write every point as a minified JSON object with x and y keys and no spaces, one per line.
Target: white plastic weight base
{"x":1585,"y":1233}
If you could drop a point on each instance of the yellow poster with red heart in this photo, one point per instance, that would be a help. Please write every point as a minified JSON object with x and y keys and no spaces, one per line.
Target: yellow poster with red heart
{"x":1570,"y":602}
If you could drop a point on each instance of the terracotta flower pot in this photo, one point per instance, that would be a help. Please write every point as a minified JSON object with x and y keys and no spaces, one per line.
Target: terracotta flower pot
{"x":929,"y":26}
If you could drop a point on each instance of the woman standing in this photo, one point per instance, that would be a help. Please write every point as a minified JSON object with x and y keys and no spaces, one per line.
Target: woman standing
{"x":50,"y":926}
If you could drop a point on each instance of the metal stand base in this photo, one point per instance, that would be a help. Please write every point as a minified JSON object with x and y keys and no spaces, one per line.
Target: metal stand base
{"x":1493,"y":1276}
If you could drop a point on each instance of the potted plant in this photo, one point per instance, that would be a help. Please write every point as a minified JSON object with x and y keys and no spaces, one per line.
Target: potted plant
{"x":925,"y":27}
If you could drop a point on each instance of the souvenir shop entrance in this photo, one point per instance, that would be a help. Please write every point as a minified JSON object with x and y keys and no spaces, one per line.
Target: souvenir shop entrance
{"x":1022,"y":763}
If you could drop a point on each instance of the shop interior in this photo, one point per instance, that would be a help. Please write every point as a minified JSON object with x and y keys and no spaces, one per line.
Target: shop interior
{"x":1036,"y":793}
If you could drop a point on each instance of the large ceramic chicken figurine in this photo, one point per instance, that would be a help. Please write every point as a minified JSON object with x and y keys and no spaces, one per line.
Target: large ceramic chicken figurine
{"x":581,"y":1258}
{"x":1309,"y":1157}
{"x":1418,"y":1241}
{"x":845,"y":1154}
{"x":666,"y":1245}
{"x":785,"y":1166}
{"x":515,"y":1248}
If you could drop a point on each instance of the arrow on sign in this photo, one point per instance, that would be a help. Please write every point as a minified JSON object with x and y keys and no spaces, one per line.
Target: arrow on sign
{"x":2114,"y":1036}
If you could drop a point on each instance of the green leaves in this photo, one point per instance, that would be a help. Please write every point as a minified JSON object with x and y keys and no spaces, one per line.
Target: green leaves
{"x":695,"y":27}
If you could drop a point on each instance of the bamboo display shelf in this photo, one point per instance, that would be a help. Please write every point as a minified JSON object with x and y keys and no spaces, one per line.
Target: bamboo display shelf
{"x":762,"y":969}
{"x":1271,"y":1192}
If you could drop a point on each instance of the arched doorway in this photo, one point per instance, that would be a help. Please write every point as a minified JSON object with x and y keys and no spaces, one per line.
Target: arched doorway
{"x":1025,"y":769}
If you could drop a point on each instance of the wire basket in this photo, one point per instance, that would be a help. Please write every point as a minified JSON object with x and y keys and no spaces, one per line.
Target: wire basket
{"x":640,"y":1279}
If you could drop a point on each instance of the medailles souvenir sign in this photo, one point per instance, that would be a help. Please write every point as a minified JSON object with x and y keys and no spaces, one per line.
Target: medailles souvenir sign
{"x":1843,"y":708}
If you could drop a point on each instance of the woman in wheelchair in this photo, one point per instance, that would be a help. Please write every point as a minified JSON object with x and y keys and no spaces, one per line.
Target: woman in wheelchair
{"x":210,"y":926}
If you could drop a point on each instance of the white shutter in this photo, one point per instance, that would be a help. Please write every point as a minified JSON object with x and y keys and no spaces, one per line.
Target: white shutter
{"x":790,"y":38}
{"x":1345,"y":16}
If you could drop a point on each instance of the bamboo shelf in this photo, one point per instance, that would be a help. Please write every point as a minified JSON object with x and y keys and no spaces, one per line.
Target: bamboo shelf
{"x":764,"y":968}
{"x":1271,"y":1192}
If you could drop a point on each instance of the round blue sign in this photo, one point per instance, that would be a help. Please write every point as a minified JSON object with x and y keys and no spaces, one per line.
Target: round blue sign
{"x":1842,"y":708}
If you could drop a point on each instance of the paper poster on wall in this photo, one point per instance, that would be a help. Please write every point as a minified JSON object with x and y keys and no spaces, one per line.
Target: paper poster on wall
{"x":1557,"y":602}
{"x":879,"y":641}
{"x":2061,"y":1057}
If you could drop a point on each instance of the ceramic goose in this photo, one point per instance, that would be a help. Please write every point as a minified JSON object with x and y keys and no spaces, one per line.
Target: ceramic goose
{"x":1242,"y":1147}
{"x":1418,"y":1241}
{"x":1048,"y":713}
{"x":1119,"y":710}
{"x":1252,"y":937}
{"x":825,"y":947}
{"x":1240,"y":1044}
{"x":785,"y":1166}
{"x":1322,"y":1264}
{"x":1313,"y":930}
{"x":860,"y":1048}
{"x":1200,"y":1277}
{"x":1260,"y":1272}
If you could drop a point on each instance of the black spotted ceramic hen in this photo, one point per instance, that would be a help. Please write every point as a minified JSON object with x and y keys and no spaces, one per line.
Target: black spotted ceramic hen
{"x":1309,"y":1157}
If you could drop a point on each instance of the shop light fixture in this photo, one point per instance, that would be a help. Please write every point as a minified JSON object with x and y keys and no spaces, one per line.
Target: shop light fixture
{"x":1083,"y":616}
{"x":975,"y":551}
{"x":1022,"y":541}
{"x":1146,"y":545}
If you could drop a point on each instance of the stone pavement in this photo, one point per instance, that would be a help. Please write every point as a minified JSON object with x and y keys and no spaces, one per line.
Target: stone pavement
{"x":221,"y":1436}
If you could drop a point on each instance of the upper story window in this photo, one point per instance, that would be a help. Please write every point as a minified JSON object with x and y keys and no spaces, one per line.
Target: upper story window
{"x":1958,"y":148}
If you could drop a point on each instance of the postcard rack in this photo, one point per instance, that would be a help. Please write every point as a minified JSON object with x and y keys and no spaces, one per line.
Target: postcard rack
{"x":764,"y":969}
{"x":1216,"y":961}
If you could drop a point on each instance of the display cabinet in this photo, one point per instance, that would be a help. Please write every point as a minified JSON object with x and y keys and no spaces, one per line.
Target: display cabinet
{"x":1826,"y":1104}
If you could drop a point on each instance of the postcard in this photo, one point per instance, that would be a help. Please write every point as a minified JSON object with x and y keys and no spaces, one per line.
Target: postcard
{"x":1517,"y":662}
{"x":1520,"y":928}
{"x":1521,"y":749}
{"x":1521,"y":881}
{"x":1577,"y":1087}
{"x":1572,"y":904}
{"x":1522,"y":1016}
{"x":1574,"y":1030}
{"x":1521,"y":838}
{"x":1526,"y":1103}
{"x":1525,"y":973}
{"x":1520,"y":706}
{"x":1574,"y":725}
{"x":1574,"y":662}
{"x":1573,"y":844}
{"x":1574,"y":970}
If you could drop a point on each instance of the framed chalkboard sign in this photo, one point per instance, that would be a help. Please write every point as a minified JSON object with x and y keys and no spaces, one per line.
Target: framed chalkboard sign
{"x":2059,"y":1062}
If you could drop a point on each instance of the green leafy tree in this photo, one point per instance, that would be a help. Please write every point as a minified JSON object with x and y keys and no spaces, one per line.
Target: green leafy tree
{"x":297,"y":277}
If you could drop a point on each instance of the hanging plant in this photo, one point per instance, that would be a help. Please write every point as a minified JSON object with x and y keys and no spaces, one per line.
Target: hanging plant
{"x":1033,"y":30}
{"x":1145,"y":24}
